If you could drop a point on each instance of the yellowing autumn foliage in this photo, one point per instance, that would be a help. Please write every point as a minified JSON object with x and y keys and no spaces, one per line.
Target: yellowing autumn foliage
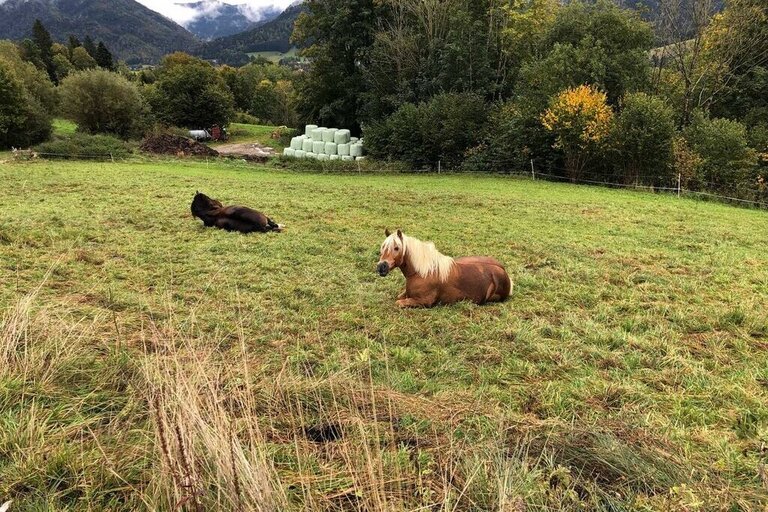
{"x":581,"y":119}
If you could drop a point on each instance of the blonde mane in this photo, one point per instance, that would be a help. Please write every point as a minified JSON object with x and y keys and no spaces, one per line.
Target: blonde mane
{"x":424,"y":256}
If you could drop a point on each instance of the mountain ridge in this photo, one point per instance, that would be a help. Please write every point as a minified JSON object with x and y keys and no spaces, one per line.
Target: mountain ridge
{"x":134,"y":33}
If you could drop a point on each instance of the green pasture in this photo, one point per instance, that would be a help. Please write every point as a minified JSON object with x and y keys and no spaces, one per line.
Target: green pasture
{"x":149,"y":363}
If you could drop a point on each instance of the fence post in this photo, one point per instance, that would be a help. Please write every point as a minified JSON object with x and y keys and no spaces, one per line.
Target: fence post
{"x":112,"y":157}
{"x":679,"y":180}
{"x":533,"y":172}
{"x":439,"y":166}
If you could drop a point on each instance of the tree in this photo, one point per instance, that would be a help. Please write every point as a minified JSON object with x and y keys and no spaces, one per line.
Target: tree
{"x":23,"y":121}
{"x":100,"y":101}
{"x":642,"y":138}
{"x":81,"y":60}
{"x":190,"y":93}
{"x":580,"y":118}
{"x":34,"y":80}
{"x":89,"y":46}
{"x":338,"y":34}
{"x":722,"y":145}
{"x":598,"y":44}
{"x":72,"y":43}
{"x":42,"y":39}
{"x":103,"y":57}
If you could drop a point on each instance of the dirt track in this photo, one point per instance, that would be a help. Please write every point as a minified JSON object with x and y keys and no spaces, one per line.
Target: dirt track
{"x":245,"y":149}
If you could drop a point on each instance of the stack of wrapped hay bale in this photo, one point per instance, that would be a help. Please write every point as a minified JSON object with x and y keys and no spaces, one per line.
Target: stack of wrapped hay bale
{"x":325,"y":144}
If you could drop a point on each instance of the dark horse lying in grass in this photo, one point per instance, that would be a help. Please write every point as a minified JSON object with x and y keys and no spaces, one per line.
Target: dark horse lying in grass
{"x":231,"y":218}
{"x":433,"y":278}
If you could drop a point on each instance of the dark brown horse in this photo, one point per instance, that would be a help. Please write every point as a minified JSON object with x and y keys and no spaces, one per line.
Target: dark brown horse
{"x":432,"y":278}
{"x":231,"y":218}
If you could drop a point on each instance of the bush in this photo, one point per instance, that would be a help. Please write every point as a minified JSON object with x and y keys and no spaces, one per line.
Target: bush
{"x":513,"y":137}
{"x":641,"y":139}
{"x":727,"y":162}
{"x":441,"y":129}
{"x":81,"y":145}
{"x":101,"y":101}
{"x":245,"y":118}
{"x":580,"y":119}
{"x":23,"y":120}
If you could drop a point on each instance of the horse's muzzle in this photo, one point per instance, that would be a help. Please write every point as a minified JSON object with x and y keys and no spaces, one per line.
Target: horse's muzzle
{"x":383,"y":268}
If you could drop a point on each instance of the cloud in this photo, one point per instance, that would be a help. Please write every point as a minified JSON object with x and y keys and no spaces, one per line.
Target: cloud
{"x":182,"y":14}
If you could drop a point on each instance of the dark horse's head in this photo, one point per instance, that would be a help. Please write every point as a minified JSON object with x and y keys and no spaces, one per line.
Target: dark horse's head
{"x":203,"y":205}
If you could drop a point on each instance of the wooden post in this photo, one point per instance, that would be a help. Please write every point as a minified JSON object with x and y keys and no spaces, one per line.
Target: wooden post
{"x":533,"y":172}
{"x":439,"y":166}
{"x":679,"y":181}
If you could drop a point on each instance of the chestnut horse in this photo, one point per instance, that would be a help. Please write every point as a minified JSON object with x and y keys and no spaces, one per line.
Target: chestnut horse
{"x":433,"y":278}
{"x":231,"y":218}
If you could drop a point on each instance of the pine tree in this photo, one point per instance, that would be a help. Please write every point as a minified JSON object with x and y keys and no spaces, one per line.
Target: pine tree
{"x":42,"y":39}
{"x":104,"y":57}
{"x":89,"y":46}
{"x":73,"y":43}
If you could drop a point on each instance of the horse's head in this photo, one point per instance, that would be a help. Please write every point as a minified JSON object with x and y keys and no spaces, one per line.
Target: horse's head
{"x":202,"y":204}
{"x":392,"y":253}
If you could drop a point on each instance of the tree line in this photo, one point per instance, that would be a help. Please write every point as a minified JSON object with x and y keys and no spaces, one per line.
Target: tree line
{"x":585,"y":90}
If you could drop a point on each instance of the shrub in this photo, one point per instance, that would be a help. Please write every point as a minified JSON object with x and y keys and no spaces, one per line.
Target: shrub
{"x":82,"y":145}
{"x":580,"y":119}
{"x":641,"y":139}
{"x":440,"y":130}
{"x":245,"y":118}
{"x":101,"y":101}
{"x":727,"y":161}
{"x":23,"y":120}
{"x":513,"y":137}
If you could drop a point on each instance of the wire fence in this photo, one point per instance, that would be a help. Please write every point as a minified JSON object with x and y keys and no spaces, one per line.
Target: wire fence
{"x":667,"y":183}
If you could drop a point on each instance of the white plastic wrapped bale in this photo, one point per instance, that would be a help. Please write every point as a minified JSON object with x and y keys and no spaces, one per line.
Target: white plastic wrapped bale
{"x":341,"y":137}
{"x":352,"y":140}
{"x":322,"y":157}
{"x":308,"y":129}
{"x":357,"y":159}
{"x":300,"y":154}
{"x":331,"y":148}
{"x":296,"y":142}
{"x":306,"y":145}
{"x":347,"y":158}
{"x":329,"y":134}
{"x":289,"y":152}
{"x":334,"y":157}
{"x":317,"y":134}
{"x":318,"y":147}
{"x":342,"y":149}
{"x":356,"y":150}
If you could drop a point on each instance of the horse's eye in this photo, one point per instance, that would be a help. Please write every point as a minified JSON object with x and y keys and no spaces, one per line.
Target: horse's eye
{"x":397,"y":249}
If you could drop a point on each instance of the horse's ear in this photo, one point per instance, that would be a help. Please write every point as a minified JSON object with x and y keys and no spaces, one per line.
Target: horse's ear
{"x":399,"y":234}
{"x":387,"y":232}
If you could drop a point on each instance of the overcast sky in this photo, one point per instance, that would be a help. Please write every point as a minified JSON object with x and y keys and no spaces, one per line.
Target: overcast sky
{"x":175,"y":9}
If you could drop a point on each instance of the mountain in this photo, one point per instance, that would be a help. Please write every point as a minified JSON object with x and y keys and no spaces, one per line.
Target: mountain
{"x":214,"y":18}
{"x":131,"y":31}
{"x":272,"y":36}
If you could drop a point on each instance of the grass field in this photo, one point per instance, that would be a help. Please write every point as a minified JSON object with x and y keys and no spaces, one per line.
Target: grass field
{"x":149,"y":363}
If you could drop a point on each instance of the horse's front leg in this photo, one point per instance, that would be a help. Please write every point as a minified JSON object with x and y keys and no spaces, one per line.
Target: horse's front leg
{"x":418,"y":301}
{"x":403,"y":294}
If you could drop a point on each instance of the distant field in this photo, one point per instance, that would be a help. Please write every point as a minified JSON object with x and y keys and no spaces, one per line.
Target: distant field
{"x":251,"y":133}
{"x":63,"y":127}
{"x":276,"y":56}
{"x":148,"y":363}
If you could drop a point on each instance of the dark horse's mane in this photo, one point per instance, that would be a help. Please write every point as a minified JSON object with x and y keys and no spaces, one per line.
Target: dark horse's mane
{"x":231,"y":218}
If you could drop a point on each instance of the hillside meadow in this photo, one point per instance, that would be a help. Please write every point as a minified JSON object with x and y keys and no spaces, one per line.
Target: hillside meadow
{"x":148,"y":363}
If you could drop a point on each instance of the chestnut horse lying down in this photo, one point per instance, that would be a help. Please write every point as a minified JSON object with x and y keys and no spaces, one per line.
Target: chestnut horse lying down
{"x":433,"y":278}
{"x":231,"y":218}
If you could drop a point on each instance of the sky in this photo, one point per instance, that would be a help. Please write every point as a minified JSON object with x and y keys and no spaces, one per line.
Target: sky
{"x":176,"y":10}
